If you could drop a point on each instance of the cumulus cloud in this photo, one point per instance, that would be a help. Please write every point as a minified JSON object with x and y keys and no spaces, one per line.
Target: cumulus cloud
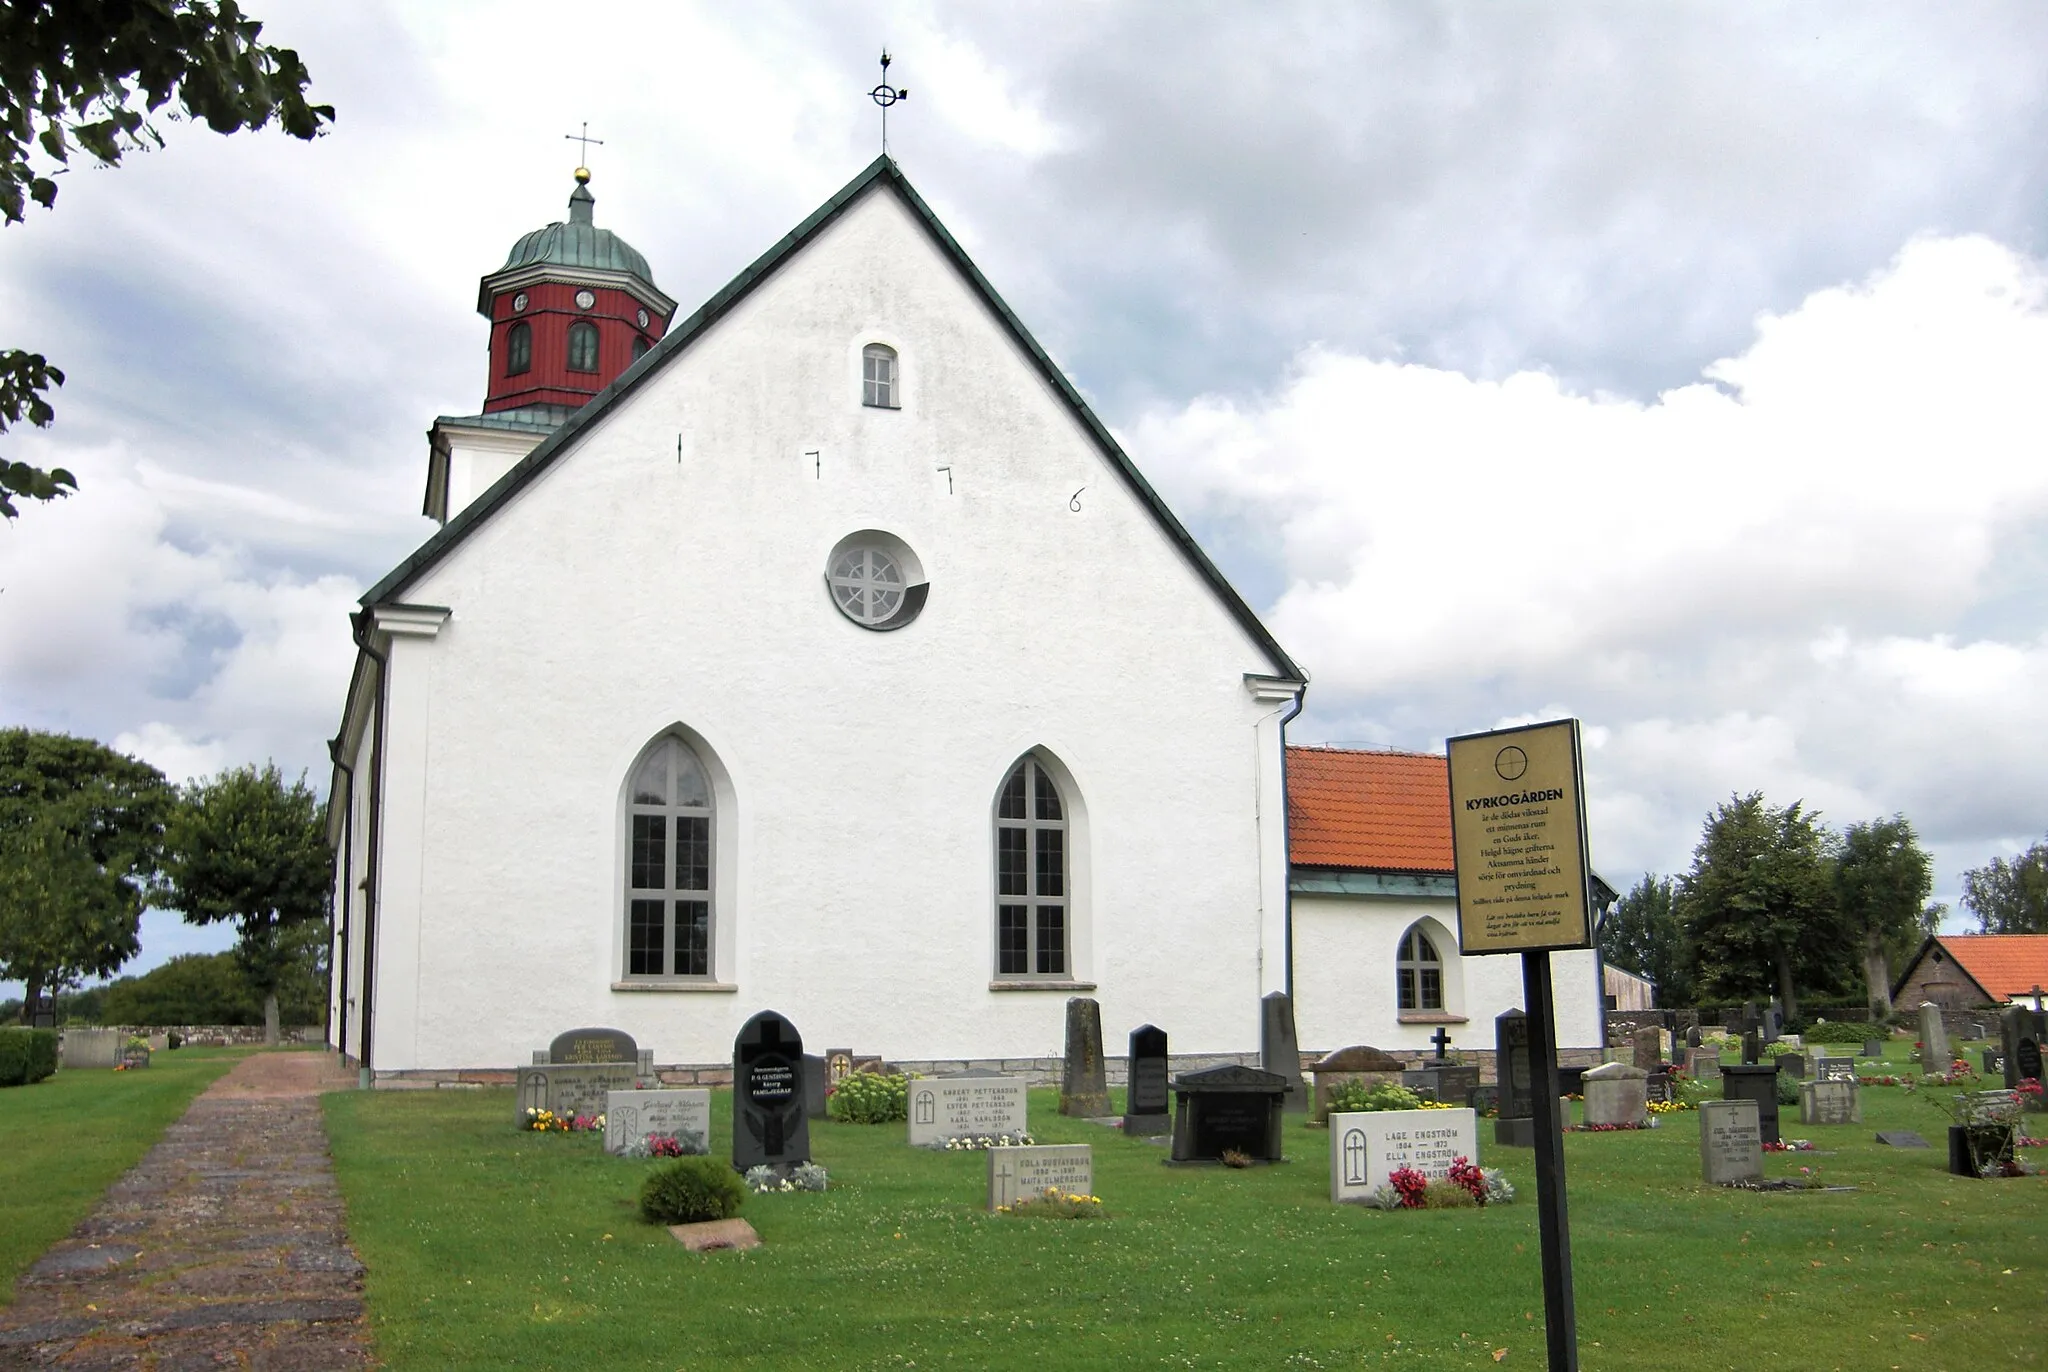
{"x":1751,"y":581}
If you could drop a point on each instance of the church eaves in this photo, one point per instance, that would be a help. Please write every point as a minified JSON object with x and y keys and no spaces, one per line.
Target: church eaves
{"x":881,"y":173}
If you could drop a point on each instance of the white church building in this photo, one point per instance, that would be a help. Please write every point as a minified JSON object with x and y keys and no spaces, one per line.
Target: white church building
{"x":823,"y":652}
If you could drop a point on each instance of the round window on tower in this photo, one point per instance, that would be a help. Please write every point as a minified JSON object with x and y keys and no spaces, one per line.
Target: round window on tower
{"x":584,"y":300}
{"x":642,"y":317}
{"x":875,"y":580}
{"x":519,"y":303}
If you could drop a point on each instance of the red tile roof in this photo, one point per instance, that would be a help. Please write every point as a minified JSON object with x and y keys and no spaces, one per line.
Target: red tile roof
{"x":1377,"y":812}
{"x":2005,"y":965}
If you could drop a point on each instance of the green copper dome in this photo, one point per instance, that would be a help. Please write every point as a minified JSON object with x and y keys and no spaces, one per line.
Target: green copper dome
{"x":578,"y":243}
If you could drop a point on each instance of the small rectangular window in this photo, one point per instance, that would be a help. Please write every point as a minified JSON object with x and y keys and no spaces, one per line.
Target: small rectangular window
{"x":878,"y":377}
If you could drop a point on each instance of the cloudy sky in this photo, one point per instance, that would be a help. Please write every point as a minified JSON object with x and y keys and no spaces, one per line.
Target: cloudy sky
{"x":1683,"y":368}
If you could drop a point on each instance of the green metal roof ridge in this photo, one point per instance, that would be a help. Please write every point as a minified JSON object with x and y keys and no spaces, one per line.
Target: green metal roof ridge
{"x":883,"y":170}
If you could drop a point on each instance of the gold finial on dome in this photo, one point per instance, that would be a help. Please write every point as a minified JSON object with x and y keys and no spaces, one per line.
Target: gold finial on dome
{"x":583,"y":176}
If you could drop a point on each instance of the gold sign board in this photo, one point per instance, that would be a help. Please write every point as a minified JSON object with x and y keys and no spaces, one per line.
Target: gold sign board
{"x":1518,"y":837}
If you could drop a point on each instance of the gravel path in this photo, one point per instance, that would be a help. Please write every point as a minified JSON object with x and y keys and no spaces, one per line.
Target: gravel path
{"x":225,"y":1247}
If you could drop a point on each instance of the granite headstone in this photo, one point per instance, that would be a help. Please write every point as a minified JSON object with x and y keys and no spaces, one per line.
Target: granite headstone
{"x":1616,"y":1094}
{"x":1366,"y":1148}
{"x":1757,"y":1082}
{"x":582,"y":1047}
{"x":1148,"y":1104}
{"x":768,"y":1124}
{"x":1020,"y":1174}
{"x":1280,"y":1048}
{"x":1830,"y":1102}
{"x":1516,"y":1125}
{"x":1361,"y":1063}
{"x":1934,"y":1058}
{"x":683,"y":1115}
{"x":1228,"y":1108}
{"x":2020,"y":1034}
{"x":571,"y":1090}
{"x":1084,"y":1080}
{"x":965,"y":1107}
{"x":1731,"y":1143}
{"x":1649,"y":1047}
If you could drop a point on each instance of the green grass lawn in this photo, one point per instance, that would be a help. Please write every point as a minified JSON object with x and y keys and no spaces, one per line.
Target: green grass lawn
{"x":66,"y":1139}
{"x":491,"y":1248}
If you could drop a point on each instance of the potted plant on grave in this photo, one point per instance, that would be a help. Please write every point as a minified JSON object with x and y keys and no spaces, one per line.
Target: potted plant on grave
{"x":135,"y":1052}
{"x":1983,"y":1133}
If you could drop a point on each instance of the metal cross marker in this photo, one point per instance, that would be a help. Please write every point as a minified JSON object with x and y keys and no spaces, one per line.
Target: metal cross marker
{"x":585,"y":140}
{"x":1441,"y":1040}
{"x":886,"y":95}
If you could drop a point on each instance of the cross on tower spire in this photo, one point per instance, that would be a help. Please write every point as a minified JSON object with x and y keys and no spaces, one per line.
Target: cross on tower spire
{"x":886,"y":95}
{"x":583,"y":151}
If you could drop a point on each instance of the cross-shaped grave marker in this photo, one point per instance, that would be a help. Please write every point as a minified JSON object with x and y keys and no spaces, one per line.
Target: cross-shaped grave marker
{"x":1442,"y":1041}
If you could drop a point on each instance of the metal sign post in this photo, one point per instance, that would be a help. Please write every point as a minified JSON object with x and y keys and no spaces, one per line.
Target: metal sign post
{"x":1518,"y":831}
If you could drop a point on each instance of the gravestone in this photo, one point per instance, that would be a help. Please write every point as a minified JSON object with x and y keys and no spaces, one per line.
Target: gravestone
{"x":814,"y":1086}
{"x":1703,"y":1064}
{"x":42,"y":1012}
{"x":683,"y":1115}
{"x":78,"y":1048}
{"x":768,"y":1124}
{"x":1873,"y":1048}
{"x":1830,"y":1102}
{"x":1018,"y":1174}
{"x":1834,"y":1069}
{"x":1752,"y":1047}
{"x":1692,"y":1037}
{"x":965,"y":1107}
{"x":1366,"y":1148}
{"x":1657,"y":1087}
{"x":1451,"y":1083}
{"x":2020,"y":1035}
{"x":1792,"y":1064}
{"x":1084,"y":1084}
{"x":1359,"y":1063}
{"x":1571,"y":1081}
{"x":570,"y":1090}
{"x":1773,"y":1023}
{"x":1649,"y":1045}
{"x":1901,"y":1138}
{"x":1516,"y":1126}
{"x":1616,"y":1094}
{"x":1757,"y":1082}
{"x":838,"y":1065}
{"x":1994,"y":1062}
{"x":581,"y":1047}
{"x":1974,"y":1030}
{"x":1230,"y":1107}
{"x":1148,"y":1105}
{"x":1731,"y":1143}
{"x":1934,"y":1058}
{"x":1279,"y":1048}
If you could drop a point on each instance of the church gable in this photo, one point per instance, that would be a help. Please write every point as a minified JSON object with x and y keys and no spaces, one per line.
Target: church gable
{"x":794,"y":282}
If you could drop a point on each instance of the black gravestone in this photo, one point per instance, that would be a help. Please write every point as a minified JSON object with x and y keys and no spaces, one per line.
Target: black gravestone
{"x":1448,"y":1083}
{"x":1516,"y":1126}
{"x":1901,"y":1138}
{"x":2020,"y":1035}
{"x":1232,"y":1107}
{"x":1752,"y":1047}
{"x":1280,"y":1049}
{"x":1873,"y":1048}
{"x":1084,"y":1083}
{"x":1147,"y":1104}
{"x":1757,"y":1082}
{"x":42,"y":1012}
{"x":1657,"y":1087}
{"x":579,"y":1047}
{"x":1571,"y":1081}
{"x":1793,"y":1065}
{"x":768,"y":1126}
{"x":1994,"y":1063}
{"x":814,"y":1086}
{"x":1692,"y":1037}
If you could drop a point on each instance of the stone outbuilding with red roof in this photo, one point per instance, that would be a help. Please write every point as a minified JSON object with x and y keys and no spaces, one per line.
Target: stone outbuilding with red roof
{"x":1973,"y":971}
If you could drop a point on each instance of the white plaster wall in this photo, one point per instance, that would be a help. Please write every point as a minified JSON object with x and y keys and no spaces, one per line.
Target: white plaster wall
{"x":625,"y":591}
{"x":350,"y":988}
{"x":1344,"y":953}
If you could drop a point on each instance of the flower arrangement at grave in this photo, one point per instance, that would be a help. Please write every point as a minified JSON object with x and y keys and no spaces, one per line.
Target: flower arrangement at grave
{"x":1788,"y":1146}
{"x":1886,"y":1080}
{"x":1676,"y":1105}
{"x":1959,"y":1073}
{"x":1619,"y":1127}
{"x":1357,"y":1097}
{"x":1465,"y":1185}
{"x":542,"y":1121}
{"x":869,"y":1098}
{"x":805,"y":1176}
{"x":665,"y":1146}
{"x":975,"y":1143}
{"x":2031,"y":1098}
{"x":1991,"y":1124}
{"x":1055,"y":1204}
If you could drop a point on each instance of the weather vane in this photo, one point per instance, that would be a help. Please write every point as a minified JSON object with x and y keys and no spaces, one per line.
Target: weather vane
{"x":886,"y":95}
{"x":583,"y":153}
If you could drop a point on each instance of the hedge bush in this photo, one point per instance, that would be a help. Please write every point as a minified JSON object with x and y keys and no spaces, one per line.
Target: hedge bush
{"x":1350,"y":1097}
{"x":691,"y":1190}
{"x":870,"y":1098}
{"x":1843,"y":1031}
{"x":27,"y":1055}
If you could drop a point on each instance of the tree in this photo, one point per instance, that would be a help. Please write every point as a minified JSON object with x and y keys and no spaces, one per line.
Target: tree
{"x":249,"y":848}
{"x":1643,"y":934}
{"x":1759,"y":904}
{"x":81,"y":832}
{"x":194,"y":988}
{"x":87,"y":74}
{"x":2010,"y":897}
{"x":1882,"y":880}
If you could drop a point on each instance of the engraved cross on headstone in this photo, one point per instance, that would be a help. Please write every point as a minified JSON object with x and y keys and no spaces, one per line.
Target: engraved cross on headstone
{"x":1441,"y":1040}
{"x":1004,"y":1174}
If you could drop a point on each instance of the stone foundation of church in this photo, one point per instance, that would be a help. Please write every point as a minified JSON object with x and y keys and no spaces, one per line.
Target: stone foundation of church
{"x":1036,"y":1071}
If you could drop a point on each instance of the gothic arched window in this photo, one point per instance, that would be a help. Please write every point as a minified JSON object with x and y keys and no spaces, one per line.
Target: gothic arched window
{"x":878,"y":377}
{"x":1031,"y":875}
{"x":518,"y":348}
{"x":583,"y":346}
{"x":1418,"y":973}
{"x":668,"y":865}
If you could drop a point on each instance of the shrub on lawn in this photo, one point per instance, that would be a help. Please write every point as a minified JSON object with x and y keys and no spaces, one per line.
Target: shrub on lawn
{"x":1788,"y":1089}
{"x":690,"y":1190}
{"x":870,"y":1098}
{"x":27,"y":1055}
{"x":1354,"y":1097}
{"x":1843,"y":1031}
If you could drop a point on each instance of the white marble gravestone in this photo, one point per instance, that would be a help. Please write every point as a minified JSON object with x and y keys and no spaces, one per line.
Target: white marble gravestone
{"x":944,"y":1108}
{"x":1367,"y":1147}
{"x":1830,"y":1102}
{"x":1016,"y":1174}
{"x":1731,"y":1142}
{"x":684,"y":1115}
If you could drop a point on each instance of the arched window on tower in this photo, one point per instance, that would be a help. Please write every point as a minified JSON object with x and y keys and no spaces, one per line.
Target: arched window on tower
{"x":668,"y":865}
{"x":583,"y":346}
{"x":1031,"y":875}
{"x":640,"y":346}
{"x":1418,"y":973}
{"x":878,"y":377}
{"x":518,"y":348}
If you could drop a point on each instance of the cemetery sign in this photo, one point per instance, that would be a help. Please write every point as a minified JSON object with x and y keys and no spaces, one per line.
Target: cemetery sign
{"x":1518,"y":832}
